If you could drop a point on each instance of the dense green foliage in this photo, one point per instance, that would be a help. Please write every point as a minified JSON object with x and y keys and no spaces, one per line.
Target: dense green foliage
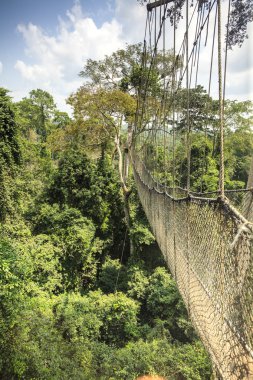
{"x":10,"y":155}
{"x":76,"y":300}
{"x":74,"y":303}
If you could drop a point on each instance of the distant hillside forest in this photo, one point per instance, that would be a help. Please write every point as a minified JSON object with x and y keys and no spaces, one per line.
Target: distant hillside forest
{"x":84,"y":290}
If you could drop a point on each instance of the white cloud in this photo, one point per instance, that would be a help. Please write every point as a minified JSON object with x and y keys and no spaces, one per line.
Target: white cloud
{"x":57,"y":59}
{"x":54,"y":61}
{"x":132,"y":17}
{"x":1,"y":67}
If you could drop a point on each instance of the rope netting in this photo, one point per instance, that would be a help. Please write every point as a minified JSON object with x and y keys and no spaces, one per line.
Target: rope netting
{"x":207,"y":245}
{"x":205,"y":235}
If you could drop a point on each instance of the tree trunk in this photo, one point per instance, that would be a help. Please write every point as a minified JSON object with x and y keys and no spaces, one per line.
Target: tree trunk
{"x":128,"y":222}
{"x":125,"y":190}
{"x":126,"y":156}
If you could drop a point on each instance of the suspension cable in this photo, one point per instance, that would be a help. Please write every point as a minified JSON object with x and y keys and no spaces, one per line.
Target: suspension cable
{"x":192,"y":51}
{"x":173,"y":99}
{"x":163,"y":123}
{"x":188,"y":100}
{"x":198,"y":54}
{"x":211,"y":65}
{"x":221,"y":113}
{"x":226,"y":56}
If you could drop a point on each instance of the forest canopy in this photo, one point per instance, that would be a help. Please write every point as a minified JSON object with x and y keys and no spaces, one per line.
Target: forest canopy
{"x":84,"y":290}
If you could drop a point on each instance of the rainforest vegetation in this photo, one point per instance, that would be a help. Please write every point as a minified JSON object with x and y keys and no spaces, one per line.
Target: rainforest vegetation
{"x":84,"y":290}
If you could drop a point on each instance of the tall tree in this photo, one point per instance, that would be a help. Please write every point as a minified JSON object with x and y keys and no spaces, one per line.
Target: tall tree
{"x":44,"y":107}
{"x":103,"y":114}
{"x":37,"y":115}
{"x":10,"y":154}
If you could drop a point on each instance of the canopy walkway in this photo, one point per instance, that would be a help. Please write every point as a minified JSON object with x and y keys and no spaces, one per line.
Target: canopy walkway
{"x":206,"y":237}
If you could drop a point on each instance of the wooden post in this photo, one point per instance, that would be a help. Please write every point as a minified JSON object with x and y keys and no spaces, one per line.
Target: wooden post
{"x":157,"y":3}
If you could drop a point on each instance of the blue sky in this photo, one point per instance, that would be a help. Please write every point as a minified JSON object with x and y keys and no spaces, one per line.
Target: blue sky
{"x":44,"y":44}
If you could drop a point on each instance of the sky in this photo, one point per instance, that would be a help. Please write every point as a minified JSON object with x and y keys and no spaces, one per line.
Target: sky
{"x":44,"y":44}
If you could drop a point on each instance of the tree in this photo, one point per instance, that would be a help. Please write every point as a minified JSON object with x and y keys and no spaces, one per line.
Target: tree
{"x":10,"y":153}
{"x":241,"y":14}
{"x":107,"y":103}
{"x":103,"y":115}
{"x":12,"y":300}
{"x":36,"y":115}
{"x":113,"y":71}
{"x":118,"y":314}
{"x":43,"y":110}
{"x":124,"y":70}
{"x":199,"y":110}
{"x":78,"y":248}
{"x":239,"y":141}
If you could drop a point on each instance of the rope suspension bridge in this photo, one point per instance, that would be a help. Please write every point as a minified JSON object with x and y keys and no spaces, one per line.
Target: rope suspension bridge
{"x":205,"y":235}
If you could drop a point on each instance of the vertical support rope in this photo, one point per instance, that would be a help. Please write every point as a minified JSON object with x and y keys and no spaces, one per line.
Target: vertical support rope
{"x":211,"y":66}
{"x":188,"y":153}
{"x":221,"y":113}
{"x":226,"y":55}
{"x":163,"y":100}
{"x":188,"y":100}
{"x":173,"y":95}
{"x":173,"y":142}
{"x":198,"y":48}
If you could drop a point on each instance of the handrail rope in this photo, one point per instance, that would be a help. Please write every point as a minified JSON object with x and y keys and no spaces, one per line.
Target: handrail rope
{"x":230,"y":208}
{"x":226,"y":319}
{"x":194,"y":194}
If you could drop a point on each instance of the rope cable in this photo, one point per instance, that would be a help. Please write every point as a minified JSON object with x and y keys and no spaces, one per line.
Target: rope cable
{"x":197,"y":32}
{"x":226,"y":55}
{"x":188,"y":100}
{"x":212,"y":54}
{"x":207,"y":27}
{"x":205,"y":241}
{"x":153,"y":58}
{"x":198,"y":54}
{"x":164,"y":86}
{"x":173,"y":107}
{"x":190,"y":55}
{"x":221,"y":114}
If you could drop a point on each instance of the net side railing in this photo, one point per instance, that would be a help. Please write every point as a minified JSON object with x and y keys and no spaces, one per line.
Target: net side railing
{"x":207,"y":245}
